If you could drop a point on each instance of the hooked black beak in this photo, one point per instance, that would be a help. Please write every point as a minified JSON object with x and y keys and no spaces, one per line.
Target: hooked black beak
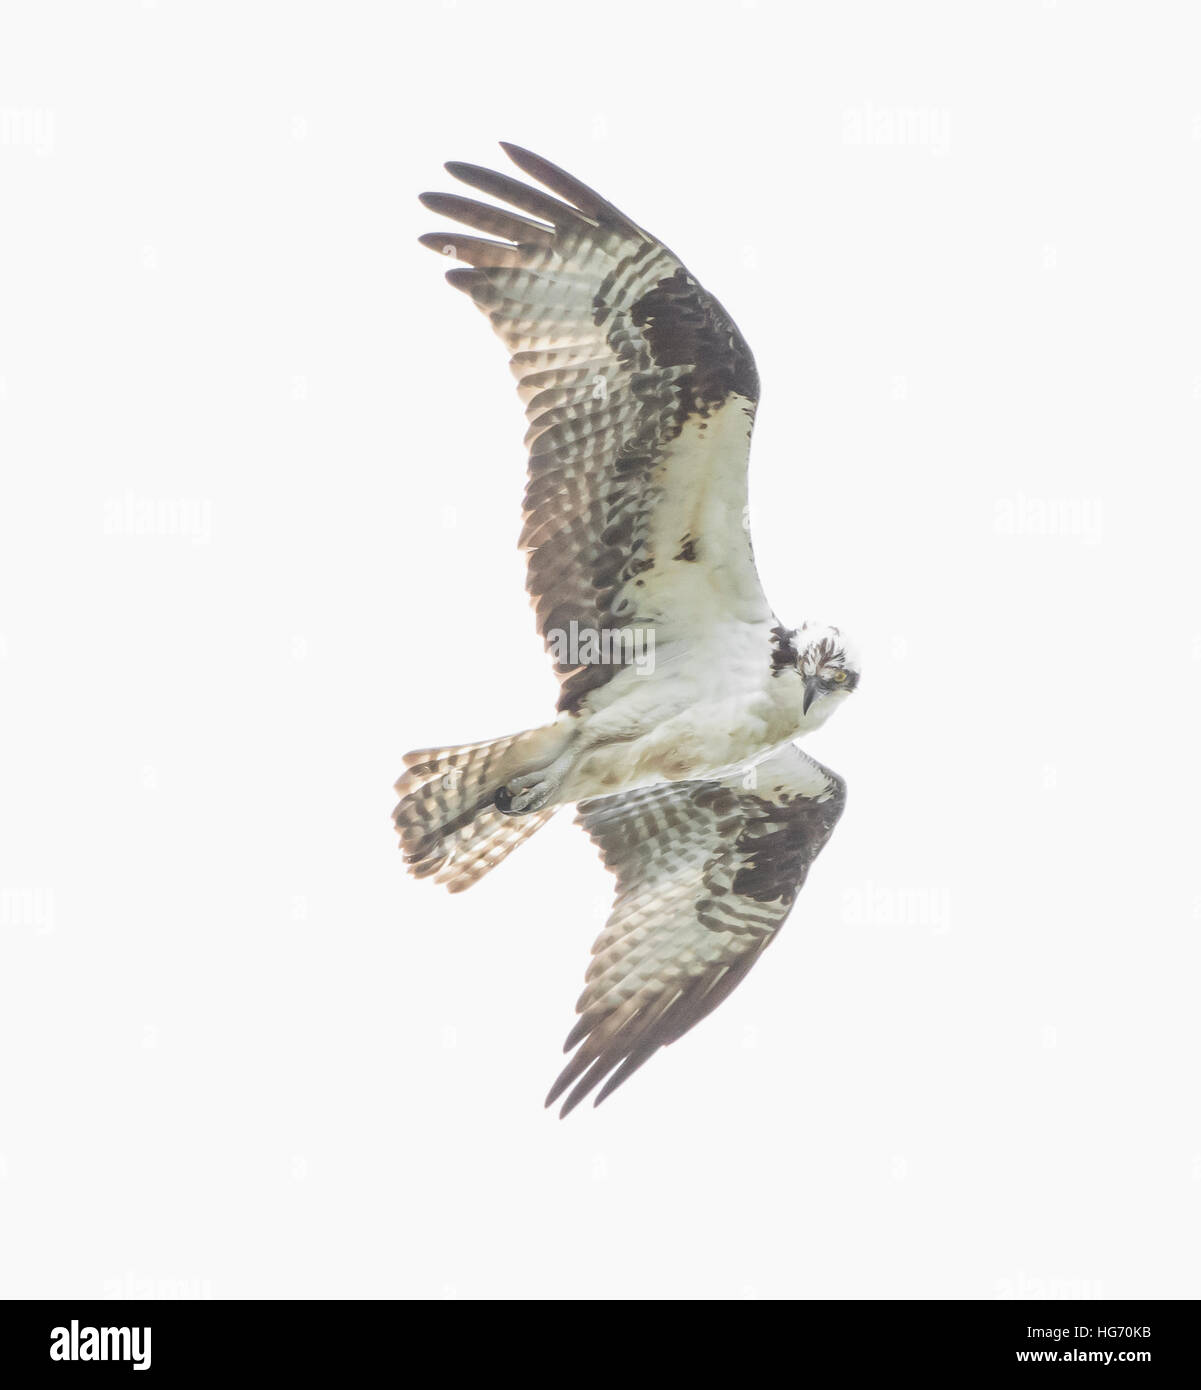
{"x":812,"y":690}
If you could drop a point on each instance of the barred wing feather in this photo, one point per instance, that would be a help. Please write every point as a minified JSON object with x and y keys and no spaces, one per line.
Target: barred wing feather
{"x":706,"y":874}
{"x":640,"y":393}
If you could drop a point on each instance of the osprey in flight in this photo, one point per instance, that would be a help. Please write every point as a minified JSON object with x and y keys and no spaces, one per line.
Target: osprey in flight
{"x":681,"y":692}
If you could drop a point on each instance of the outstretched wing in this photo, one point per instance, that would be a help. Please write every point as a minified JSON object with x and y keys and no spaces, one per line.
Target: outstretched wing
{"x":706,"y":874}
{"x":640,"y":393}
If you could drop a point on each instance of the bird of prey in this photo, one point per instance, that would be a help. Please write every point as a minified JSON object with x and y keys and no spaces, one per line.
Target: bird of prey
{"x":681,"y":692}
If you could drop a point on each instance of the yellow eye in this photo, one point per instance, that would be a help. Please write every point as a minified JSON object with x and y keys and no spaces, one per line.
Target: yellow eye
{"x":839,"y":677}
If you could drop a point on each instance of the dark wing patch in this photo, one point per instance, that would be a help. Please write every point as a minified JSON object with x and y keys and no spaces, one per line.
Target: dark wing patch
{"x":706,"y":874}
{"x":615,"y":347}
{"x":685,"y":328}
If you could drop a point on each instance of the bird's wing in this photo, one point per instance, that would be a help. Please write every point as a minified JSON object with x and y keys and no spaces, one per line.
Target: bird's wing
{"x":706,"y":874}
{"x":641,"y":395}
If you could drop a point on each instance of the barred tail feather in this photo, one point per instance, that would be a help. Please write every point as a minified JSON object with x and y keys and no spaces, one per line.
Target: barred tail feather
{"x":448,"y":824}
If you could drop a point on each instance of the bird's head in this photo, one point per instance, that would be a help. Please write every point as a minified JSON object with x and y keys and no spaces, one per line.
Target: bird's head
{"x":826,"y":662}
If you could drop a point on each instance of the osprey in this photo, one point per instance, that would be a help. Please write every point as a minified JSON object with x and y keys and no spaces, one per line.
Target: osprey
{"x":681,"y":692}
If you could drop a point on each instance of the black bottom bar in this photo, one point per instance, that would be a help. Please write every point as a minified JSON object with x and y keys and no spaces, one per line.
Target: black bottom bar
{"x":178,"y":1342}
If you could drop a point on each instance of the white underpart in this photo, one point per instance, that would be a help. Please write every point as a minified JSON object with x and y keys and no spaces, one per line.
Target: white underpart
{"x":711,"y":703}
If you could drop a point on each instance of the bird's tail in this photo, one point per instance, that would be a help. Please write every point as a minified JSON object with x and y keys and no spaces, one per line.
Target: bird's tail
{"x":447,"y":818}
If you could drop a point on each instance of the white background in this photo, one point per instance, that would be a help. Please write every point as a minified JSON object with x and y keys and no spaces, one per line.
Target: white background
{"x":242,"y":1053}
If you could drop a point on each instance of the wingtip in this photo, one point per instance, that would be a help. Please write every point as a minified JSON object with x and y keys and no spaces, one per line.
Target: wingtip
{"x":437,"y":241}
{"x":564,"y":1110}
{"x":462,"y":169}
{"x":554,"y":1094}
{"x":526,"y":160}
{"x":462,"y":278}
{"x":609,"y":1087}
{"x":510,"y":147}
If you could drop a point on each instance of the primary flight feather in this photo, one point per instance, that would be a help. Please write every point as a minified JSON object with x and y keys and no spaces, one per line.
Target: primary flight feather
{"x":680,"y":690}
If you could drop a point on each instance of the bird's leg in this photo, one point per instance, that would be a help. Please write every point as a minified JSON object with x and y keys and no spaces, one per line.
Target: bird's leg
{"x":539,"y":787}
{"x":535,"y":782}
{"x":533,"y":790}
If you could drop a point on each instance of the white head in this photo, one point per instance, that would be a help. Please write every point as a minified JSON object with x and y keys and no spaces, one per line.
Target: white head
{"x":826,"y":662}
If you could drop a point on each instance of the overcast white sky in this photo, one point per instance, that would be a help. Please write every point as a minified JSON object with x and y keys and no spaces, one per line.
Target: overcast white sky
{"x":243,"y":1054}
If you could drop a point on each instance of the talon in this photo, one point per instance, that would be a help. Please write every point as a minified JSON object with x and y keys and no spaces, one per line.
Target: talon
{"x":533,"y":798}
{"x":520,"y":797}
{"x":531,"y":790}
